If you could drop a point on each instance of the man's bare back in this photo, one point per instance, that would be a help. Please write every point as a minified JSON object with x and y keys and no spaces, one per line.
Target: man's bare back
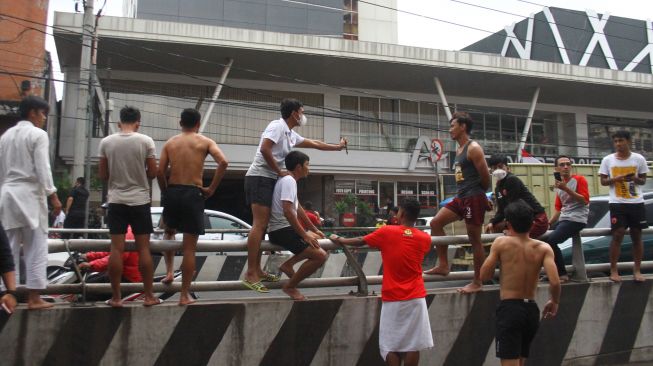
{"x":186,"y":154}
{"x":521,"y":259}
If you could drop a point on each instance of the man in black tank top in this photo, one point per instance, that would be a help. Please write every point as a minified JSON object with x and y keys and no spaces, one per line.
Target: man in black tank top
{"x":470,"y":203}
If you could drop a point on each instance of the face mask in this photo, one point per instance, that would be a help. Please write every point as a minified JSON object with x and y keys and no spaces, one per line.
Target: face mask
{"x":303,"y":121}
{"x":499,"y":174}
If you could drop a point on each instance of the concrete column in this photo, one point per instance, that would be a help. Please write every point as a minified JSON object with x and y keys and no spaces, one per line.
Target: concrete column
{"x":328,"y":187}
{"x":80,"y":144}
{"x":582,"y":135}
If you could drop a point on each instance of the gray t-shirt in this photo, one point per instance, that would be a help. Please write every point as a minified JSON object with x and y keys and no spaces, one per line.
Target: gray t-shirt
{"x":126,"y":154}
{"x":284,"y":139}
{"x":570,"y":209}
{"x":284,"y":190}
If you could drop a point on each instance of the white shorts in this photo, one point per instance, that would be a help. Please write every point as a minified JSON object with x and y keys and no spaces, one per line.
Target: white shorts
{"x":404,"y":327}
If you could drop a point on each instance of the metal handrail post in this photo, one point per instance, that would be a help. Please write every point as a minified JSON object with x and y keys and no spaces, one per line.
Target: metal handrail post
{"x":578,"y":260}
{"x":362,"y":279}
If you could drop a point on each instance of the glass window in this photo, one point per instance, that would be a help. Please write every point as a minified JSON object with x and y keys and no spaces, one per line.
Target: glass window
{"x":492,"y":133}
{"x":601,"y":129}
{"x":427,"y":195}
{"x":406,"y":190}
{"x":369,"y":125}
{"x":218,"y":222}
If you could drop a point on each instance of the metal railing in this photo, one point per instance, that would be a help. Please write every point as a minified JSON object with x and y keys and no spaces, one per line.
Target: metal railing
{"x":578,"y":269}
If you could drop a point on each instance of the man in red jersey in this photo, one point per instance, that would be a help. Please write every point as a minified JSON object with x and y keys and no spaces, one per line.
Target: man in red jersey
{"x":404,"y":328}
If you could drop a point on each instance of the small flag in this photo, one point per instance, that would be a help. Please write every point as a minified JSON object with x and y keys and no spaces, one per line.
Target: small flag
{"x":528,"y":158}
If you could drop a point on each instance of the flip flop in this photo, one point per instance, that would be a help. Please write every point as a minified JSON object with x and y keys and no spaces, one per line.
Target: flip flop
{"x":255,"y":286}
{"x":269,"y":277}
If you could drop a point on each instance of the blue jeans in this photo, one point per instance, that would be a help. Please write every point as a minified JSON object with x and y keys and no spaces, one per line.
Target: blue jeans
{"x":564,"y":230}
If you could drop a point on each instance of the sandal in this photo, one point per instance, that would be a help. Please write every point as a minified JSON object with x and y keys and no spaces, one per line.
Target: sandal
{"x":269,"y":277}
{"x":255,"y":286}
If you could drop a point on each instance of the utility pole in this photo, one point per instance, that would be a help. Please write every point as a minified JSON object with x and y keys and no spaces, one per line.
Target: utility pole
{"x":83,"y":112}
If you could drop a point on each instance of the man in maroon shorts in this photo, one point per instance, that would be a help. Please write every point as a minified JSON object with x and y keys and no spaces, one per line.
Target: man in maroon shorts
{"x":470,"y":203}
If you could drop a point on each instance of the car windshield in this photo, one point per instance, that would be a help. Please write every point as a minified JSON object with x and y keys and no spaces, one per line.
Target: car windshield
{"x":598,"y":209}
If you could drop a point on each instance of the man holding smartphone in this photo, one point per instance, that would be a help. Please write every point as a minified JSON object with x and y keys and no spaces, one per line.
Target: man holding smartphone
{"x":572,"y":209}
{"x":625,"y":171}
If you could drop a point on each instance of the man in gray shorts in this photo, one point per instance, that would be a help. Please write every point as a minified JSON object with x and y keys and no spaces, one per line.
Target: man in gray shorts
{"x":276,"y":142}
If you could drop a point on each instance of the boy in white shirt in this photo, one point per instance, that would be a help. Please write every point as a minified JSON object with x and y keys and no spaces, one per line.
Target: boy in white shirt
{"x":286,"y":230}
{"x":625,"y":171}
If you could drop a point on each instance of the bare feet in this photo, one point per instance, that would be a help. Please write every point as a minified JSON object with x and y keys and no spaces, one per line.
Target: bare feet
{"x":151,"y":301}
{"x":287,"y":270}
{"x":114,"y":303}
{"x":564,"y":279}
{"x":639,"y":278}
{"x":294,"y":293}
{"x":614,"y":277}
{"x":38,"y":305}
{"x":185,"y":300}
{"x":167,"y":279}
{"x":441,"y":271}
{"x":471,"y":288}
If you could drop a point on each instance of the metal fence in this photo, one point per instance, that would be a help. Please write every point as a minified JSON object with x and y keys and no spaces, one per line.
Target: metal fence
{"x":578,"y":270}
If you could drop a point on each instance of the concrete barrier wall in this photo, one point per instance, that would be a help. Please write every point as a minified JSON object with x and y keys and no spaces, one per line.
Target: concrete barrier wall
{"x":599,"y":323}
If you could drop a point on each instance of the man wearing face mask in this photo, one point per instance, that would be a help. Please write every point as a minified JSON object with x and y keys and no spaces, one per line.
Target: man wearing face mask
{"x":276,"y":143}
{"x":509,"y":189}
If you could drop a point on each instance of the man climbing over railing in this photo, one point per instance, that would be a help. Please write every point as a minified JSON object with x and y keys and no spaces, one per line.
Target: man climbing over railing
{"x":521,"y":258}
{"x":404,"y":328}
{"x":470,"y":203}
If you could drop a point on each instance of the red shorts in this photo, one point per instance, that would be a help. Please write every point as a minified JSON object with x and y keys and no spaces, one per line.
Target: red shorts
{"x":472,"y":208}
{"x":540,"y":225}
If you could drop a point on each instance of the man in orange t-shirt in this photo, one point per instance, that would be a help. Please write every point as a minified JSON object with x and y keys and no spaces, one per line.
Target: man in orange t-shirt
{"x":404,"y":328}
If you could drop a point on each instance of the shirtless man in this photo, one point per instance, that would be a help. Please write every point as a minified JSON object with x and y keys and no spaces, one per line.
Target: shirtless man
{"x":183,"y":206}
{"x":521,"y":259}
{"x":470,"y":203}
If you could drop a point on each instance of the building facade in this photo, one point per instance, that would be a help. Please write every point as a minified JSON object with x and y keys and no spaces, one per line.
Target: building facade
{"x":383,"y":97}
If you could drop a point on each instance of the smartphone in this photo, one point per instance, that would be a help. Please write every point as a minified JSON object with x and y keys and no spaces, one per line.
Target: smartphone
{"x":556,"y":176}
{"x":6,"y":309}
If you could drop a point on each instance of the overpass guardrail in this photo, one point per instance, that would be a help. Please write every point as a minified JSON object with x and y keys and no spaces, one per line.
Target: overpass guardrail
{"x":578,"y":270}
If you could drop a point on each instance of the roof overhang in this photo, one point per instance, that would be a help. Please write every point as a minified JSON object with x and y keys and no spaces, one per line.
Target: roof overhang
{"x":149,"y":46}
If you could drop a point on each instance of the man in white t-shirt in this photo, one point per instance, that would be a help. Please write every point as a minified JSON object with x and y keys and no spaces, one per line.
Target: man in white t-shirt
{"x":286,"y":230}
{"x":276,"y":142}
{"x":128,"y":164}
{"x":625,"y":171}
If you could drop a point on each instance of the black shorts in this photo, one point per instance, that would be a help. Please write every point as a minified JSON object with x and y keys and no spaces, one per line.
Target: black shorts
{"x":517,"y":323}
{"x":289,"y":239}
{"x":74,"y":220}
{"x":120,"y":216}
{"x":183,"y":209}
{"x":259,"y":190}
{"x":628,"y":215}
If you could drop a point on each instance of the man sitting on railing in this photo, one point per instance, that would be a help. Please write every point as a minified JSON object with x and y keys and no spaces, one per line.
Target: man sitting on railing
{"x":404,"y":328}
{"x":286,"y":230}
{"x":572,"y":210}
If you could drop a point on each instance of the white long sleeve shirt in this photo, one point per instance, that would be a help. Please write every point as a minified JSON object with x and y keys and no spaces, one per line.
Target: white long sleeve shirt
{"x":25,"y":177}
